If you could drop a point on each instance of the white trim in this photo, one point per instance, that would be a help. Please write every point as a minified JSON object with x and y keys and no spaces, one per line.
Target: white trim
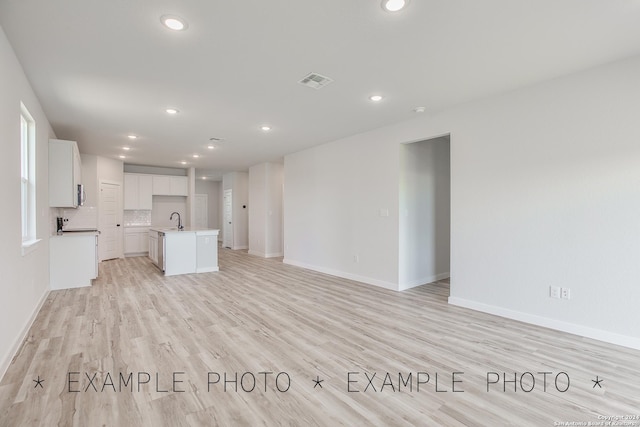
{"x":207,"y":269}
{"x":30,"y":246}
{"x":239,"y":248}
{"x":344,"y":275}
{"x":274,"y":255}
{"x":264,"y":255}
{"x":572,"y":328}
{"x":423,"y":281}
{"x":13,"y":351}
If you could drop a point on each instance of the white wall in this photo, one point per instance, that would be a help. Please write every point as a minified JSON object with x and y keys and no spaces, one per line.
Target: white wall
{"x":257,"y":209}
{"x":238,"y":182}
{"x":96,"y":169}
{"x":333,"y":197}
{"x":274,"y":218}
{"x":265,"y":209}
{"x":544,"y":191}
{"x":212,"y":190}
{"x":90,"y":179}
{"x":423,"y":250}
{"x":163,"y":206}
{"x":25,"y":279}
{"x":110,"y":170}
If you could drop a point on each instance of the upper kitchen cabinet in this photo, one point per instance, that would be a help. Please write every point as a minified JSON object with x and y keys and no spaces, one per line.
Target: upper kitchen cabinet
{"x":64,"y":173}
{"x":164,"y":185}
{"x":138,"y":191}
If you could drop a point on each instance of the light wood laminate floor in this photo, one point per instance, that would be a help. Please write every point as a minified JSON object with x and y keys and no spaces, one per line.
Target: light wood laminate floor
{"x":257,"y":316}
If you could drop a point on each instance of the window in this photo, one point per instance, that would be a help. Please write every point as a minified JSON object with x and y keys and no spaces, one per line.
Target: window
{"x":28,"y":177}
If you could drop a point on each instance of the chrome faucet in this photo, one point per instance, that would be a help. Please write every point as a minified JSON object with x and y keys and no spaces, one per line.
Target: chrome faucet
{"x":180,"y":226}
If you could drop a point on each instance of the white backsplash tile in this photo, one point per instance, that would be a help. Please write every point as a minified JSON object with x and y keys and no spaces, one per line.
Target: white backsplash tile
{"x":137,"y":218}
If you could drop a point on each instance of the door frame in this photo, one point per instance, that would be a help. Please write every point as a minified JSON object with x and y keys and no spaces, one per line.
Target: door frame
{"x":227,"y":228}
{"x":120,"y":216}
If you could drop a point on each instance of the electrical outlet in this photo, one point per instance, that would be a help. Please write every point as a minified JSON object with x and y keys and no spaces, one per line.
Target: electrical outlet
{"x":565,"y":293}
{"x":554,"y":291}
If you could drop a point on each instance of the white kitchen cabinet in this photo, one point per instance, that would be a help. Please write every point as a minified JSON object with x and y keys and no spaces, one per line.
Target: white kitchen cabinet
{"x":153,"y":246}
{"x":138,"y":191}
{"x":179,"y":186}
{"x":136,"y":241}
{"x":164,"y":185}
{"x":65,"y":173}
{"x":187,"y":251}
{"x":73,"y":260}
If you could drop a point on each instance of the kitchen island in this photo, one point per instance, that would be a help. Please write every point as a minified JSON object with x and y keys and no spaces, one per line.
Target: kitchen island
{"x":186,"y":251}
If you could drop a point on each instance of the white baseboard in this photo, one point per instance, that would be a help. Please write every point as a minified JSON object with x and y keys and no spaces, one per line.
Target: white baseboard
{"x":274,"y":255}
{"x":207,"y":269}
{"x":423,"y":281}
{"x":4,"y":364}
{"x":344,"y":275}
{"x":239,"y":248}
{"x":572,"y":328}
{"x":265,"y":255}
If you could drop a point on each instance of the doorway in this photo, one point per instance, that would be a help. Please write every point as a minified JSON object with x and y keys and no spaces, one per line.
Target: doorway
{"x":425,"y":212}
{"x":110,"y":237}
{"x":227,"y":238}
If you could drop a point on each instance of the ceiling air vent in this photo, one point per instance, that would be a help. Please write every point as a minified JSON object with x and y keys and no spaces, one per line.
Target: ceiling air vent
{"x":315,"y":80}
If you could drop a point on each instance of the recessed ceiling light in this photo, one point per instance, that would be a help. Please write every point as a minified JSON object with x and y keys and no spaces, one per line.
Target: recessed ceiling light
{"x":122,"y":157}
{"x":204,"y":177}
{"x":195,"y":156}
{"x":375,"y":98}
{"x":174,"y":22}
{"x":171,"y":111}
{"x":266,"y":128}
{"x":394,"y":5}
{"x":132,"y":136}
{"x":419,"y":110}
{"x":210,"y":147}
{"x":184,"y":163}
{"x":126,"y":148}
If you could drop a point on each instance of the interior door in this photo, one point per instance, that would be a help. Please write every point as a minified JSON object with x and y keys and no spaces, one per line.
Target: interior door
{"x":227,"y":238}
{"x":110,"y":240}
{"x":201,"y":202}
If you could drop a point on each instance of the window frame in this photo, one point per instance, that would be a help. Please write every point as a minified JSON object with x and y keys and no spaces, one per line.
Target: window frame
{"x":28,"y":180}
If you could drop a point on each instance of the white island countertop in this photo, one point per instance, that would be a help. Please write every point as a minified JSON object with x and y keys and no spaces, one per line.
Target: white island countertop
{"x":198,"y":230}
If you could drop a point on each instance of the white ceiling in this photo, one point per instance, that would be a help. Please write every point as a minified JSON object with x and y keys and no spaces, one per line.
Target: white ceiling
{"x":105,"y":69}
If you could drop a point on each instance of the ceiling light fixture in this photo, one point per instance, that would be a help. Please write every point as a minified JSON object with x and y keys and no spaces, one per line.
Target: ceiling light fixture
{"x":419,"y":110}
{"x":266,"y":128}
{"x":394,"y":5}
{"x":126,"y":148}
{"x":174,"y":22}
{"x":195,"y":156}
{"x":121,"y":156}
{"x":375,"y":98}
{"x":210,"y":147}
{"x":204,"y":177}
{"x":171,"y":111}
{"x":183,"y":163}
{"x":132,"y":137}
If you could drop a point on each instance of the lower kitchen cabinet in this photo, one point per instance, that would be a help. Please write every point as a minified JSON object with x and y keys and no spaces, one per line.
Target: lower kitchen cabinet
{"x":73,"y":260}
{"x":136,"y":241}
{"x":153,"y":246}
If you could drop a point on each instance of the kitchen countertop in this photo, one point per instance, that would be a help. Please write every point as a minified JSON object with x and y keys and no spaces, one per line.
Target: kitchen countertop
{"x":75,"y":233}
{"x":184,"y":230}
